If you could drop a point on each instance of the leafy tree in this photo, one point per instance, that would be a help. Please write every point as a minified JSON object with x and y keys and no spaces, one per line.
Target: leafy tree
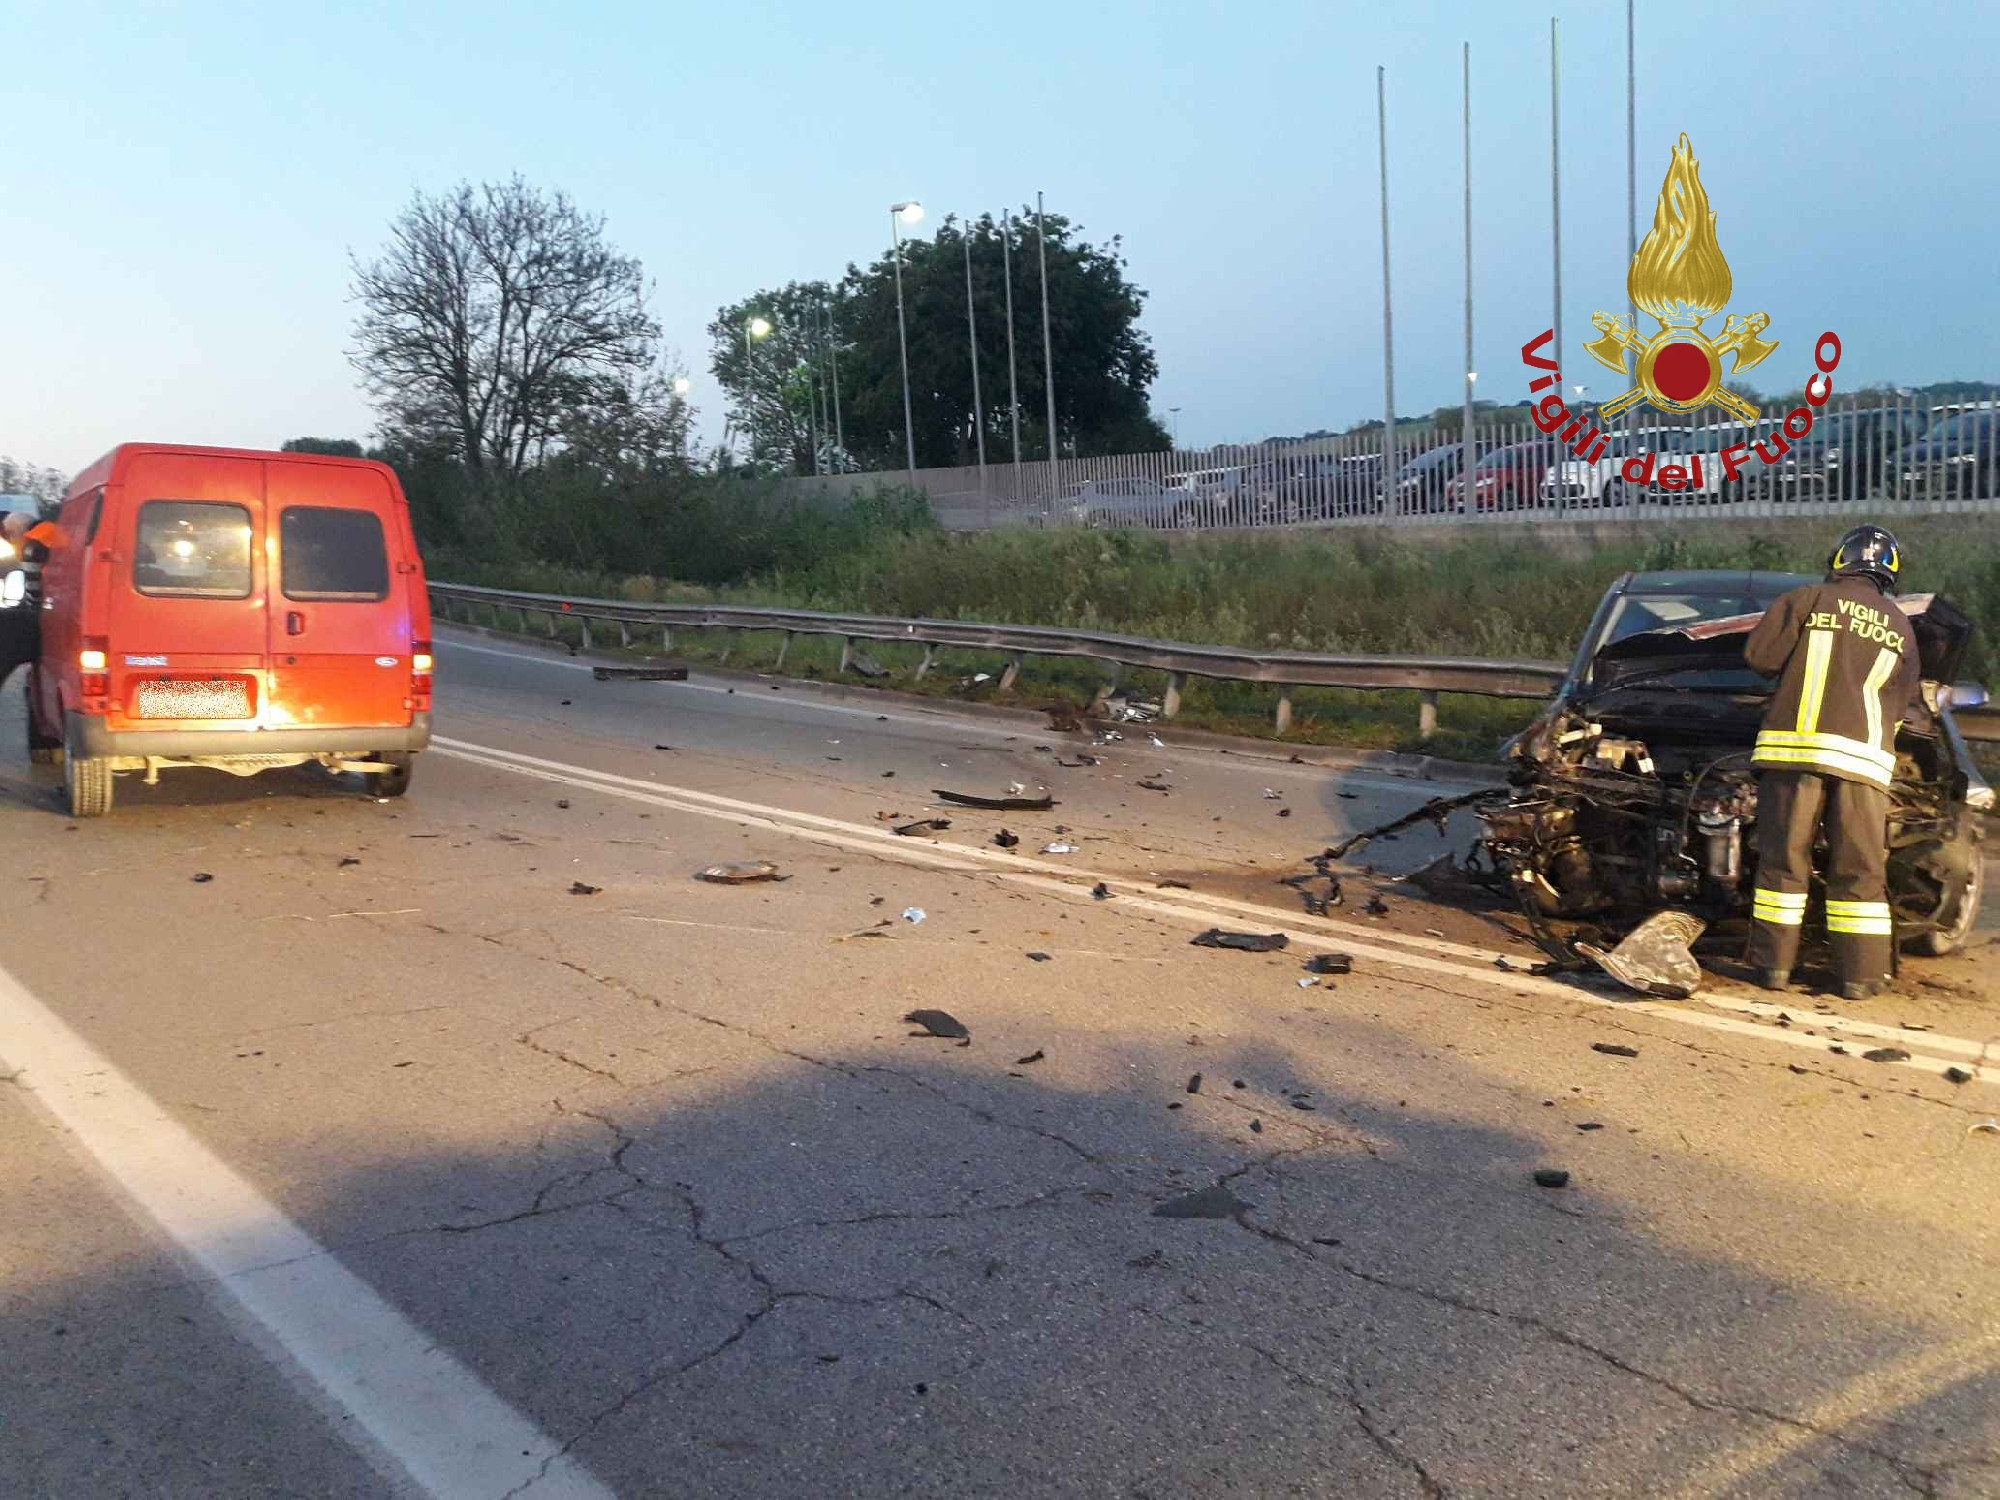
{"x":491,"y":314}
{"x":779,"y":383}
{"x":42,"y":485}
{"x":1104,"y":363}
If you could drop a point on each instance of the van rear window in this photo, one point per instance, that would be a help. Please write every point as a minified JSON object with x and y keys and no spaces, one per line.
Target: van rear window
{"x":196,"y":549}
{"x":332,"y":554}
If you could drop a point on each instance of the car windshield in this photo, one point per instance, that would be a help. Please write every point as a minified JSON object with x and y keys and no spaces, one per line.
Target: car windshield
{"x":1636,"y":614}
{"x":1964,"y":425}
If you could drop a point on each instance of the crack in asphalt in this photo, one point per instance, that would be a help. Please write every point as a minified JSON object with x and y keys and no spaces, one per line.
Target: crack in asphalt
{"x":1350,"y":1394}
{"x":908,"y":1216}
{"x":527,"y":1039}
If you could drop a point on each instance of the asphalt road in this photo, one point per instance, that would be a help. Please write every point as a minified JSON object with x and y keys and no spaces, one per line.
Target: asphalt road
{"x":377,"y":1162}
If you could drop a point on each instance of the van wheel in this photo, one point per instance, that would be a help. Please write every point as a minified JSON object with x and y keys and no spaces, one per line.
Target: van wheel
{"x":44,"y":749}
{"x":394,"y":783}
{"x":87,"y":784}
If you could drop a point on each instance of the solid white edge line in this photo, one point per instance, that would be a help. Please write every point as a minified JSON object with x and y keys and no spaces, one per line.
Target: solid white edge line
{"x":1068,"y":882}
{"x":451,"y":1435}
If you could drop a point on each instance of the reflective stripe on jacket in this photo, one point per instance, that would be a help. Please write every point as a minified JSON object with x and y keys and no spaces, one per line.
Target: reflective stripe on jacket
{"x":1848,"y":674}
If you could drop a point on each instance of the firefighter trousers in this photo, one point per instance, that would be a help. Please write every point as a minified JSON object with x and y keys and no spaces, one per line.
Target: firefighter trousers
{"x":1792,"y":807}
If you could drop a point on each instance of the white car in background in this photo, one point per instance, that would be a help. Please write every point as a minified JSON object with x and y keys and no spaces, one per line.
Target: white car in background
{"x":1118,"y":502}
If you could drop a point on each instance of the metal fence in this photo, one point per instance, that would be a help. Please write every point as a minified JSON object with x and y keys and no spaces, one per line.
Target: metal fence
{"x":1900,"y":456}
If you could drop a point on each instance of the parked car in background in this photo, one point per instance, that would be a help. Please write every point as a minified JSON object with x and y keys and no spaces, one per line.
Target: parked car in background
{"x":1956,"y":457}
{"x":1211,"y":497}
{"x":1130,"y":501}
{"x":1421,"y":481}
{"x":1507,"y":478}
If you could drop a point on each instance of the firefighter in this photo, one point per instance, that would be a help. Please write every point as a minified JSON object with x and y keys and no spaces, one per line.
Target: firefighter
{"x":1848,"y":674}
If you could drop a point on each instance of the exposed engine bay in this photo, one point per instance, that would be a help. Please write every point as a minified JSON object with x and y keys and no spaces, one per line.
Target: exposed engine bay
{"x":1634,"y":790}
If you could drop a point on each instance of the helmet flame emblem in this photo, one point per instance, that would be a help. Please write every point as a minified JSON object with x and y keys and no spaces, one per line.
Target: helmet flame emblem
{"x":1679,"y":277}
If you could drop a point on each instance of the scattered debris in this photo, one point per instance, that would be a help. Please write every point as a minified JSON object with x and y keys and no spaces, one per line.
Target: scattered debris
{"x":994,"y":804}
{"x":1885,"y":1054}
{"x":1215,"y":1202}
{"x":1376,"y":907}
{"x":1436,"y":812}
{"x":1984,"y":1127}
{"x":1436,"y":932}
{"x":1173,"y":885}
{"x":740,"y":874}
{"x":1131,"y":710}
{"x":1156,"y":742}
{"x":1064,"y":717}
{"x":1033,"y":1057}
{"x":668,"y":748}
{"x":1150,"y":785}
{"x":887,"y":774}
{"x":1058,"y":848}
{"x":563,"y":704}
{"x":578,"y":888}
{"x":865,"y":664}
{"x":1237,"y":1083}
{"x":914,"y":914}
{"x":1256,"y":1127}
{"x":1330,"y":963}
{"x":1175,"y":1105}
{"x":1271,"y":796}
{"x":922,"y":826}
{"x":1100,"y":892}
{"x":563,"y":803}
{"x":1305,"y":1104}
{"x":202,"y":877}
{"x":1038,"y":957}
{"x":1006,"y":839}
{"x":1284,"y":812}
{"x":1957,"y":1074}
{"x":1194,"y":1083}
{"x":1080,"y":762}
{"x":1654,"y":957}
{"x":1242,"y":942}
{"x":1308,"y":982}
{"x":349,"y":859}
{"x":1589,"y":1125}
{"x":638,"y":674}
{"x":1296,"y":760}
{"x":940,"y":1023}
{"x":1614,"y":1049}
{"x":1551,"y":1177}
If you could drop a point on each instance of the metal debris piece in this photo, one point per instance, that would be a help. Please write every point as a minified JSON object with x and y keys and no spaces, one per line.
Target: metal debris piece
{"x":1194,"y":1083}
{"x":578,"y":888}
{"x":1654,"y":957}
{"x":1984,"y":1127}
{"x":1150,"y":785}
{"x":1241,"y":942}
{"x":887,"y":774}
{"x":1271,"y":796}
{"x":1173,"y":885}
{"x":1156,"y":742}
{"x":1551,"y":1177}
{"x":1436,"y":812}
{"x":1101,"y":891}
{"x":914,"y":914}
{"x":739,"y":874}
{"x":1058,"y":848}
{"x":1376,"y":907}
{"x":563,"y":803}
{"x":1589,"y":1125}
{"x":1256,"y":1127}
{"x":1284,"y":812}
{"x":1614,"y":1049}
{"x":1037,"y":956}
{"x":922,"y":826}
{"x":1308,"y":983}
{"x":940,"y":1023}
{"x":1885,"y":1054}
{"x":639,"y":674}
{"x":1330,"y":963}
{"x":349,"y":859}
{"x":1215,"y":1202}
{"x":1957,"y":1074}
{"x":1006,"y":839}
{"x":202,"y":877}
{"x":1033,"y":1057}
{"x":994,"y":804}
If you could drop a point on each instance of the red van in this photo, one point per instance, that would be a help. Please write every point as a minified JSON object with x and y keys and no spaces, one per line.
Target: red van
{"x":230,"y":608}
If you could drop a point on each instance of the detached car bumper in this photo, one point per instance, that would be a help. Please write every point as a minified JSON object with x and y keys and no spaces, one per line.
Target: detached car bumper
{"x":88,"y":736}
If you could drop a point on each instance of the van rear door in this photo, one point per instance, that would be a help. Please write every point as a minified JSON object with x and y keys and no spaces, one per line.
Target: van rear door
{"x":183,"y":612}
{"x":340,"y":637}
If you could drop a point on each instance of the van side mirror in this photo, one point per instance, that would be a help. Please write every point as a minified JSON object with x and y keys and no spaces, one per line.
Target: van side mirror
{"x":1966,"y":695}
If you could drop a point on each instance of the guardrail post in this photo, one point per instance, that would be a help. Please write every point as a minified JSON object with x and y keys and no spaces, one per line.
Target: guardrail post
{"x":784,"y":645}
{"x":624,"y":634}
{"x":1284,"y":711}
{"x":1427,"y":713}
{"x":846,"y":654}
{"x":552,"y":624}
{"x":666,"y":637}
{"x":729,"y":646}
{"x":1170,"y":705}
{"x":1106,"y":688}
{"x":586,"y":631}
{"x":1013,"y":671}
{"x":929,"y":661}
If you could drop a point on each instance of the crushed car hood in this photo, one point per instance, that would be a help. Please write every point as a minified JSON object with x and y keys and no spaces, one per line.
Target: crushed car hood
{"x":1942,"y":629}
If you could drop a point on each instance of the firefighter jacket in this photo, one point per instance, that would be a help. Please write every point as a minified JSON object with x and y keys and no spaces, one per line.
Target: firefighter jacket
{"x":1848,"y":672}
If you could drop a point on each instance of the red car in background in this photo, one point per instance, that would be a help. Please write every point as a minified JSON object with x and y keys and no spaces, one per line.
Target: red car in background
{"x":1506,"y":479}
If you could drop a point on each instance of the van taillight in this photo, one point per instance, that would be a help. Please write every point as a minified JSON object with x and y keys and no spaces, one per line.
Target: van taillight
{"x":420,"y":676}
{"x":93,"y":660}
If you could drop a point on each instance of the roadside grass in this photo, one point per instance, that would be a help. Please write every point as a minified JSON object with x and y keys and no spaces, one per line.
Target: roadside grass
{"x":1512,"y":597}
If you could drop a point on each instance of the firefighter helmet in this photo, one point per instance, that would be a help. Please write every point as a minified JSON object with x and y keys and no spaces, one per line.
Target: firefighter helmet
{"x":1868,"y":552}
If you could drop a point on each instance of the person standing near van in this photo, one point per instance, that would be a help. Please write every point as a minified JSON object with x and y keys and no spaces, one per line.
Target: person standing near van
{"x":1848,"y":673}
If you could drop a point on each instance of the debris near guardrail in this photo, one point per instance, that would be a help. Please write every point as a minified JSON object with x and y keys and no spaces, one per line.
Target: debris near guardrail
{"x":1241,"y":942}
{"x":740,"y":874}
{"x":1436,"y":812}
{"x":674,"y":673}
{"x":994,"y":804}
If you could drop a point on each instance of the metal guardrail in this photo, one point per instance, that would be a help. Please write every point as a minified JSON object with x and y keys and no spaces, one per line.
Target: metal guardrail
{"x":1427,"y":676}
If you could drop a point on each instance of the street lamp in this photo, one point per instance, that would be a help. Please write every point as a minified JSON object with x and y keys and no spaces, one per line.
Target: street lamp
{"x":757,"y":326}
{"x":1175,"y":413}
{"x":899,"y":215}
{"x":682,"y":385}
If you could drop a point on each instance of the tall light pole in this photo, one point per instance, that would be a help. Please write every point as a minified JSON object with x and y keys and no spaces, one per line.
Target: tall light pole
{"x":1465,"y":433}
{"x":1048,"y":349}
{"x":1175,"y":413}
{"x":1013,"y":387}
{"x":899,"y":215}
{"x":1556,"y":218}
{"x":833,"y":360}
{"x":757,"y":326}
{"x":972,"y":333}
{"x":1388,"y":326}
{"x":1631,"y":170}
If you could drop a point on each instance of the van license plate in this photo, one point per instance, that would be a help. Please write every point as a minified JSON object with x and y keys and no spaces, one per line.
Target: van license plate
{"x":217,"y":698}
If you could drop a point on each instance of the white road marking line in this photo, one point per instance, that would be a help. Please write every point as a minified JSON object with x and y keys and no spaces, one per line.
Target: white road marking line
{"x":1193,"y":908}
{"x":454,"y":1438}
{"x":943,"y":718}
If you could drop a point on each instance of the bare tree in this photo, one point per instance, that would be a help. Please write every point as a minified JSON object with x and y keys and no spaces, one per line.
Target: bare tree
{"x":486,"y":313}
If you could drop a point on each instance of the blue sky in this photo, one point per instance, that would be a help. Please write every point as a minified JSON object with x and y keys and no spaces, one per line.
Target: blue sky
{"x":181,"y":184}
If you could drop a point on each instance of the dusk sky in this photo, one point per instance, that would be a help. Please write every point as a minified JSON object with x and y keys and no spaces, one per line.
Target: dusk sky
{"x":182,"y":184}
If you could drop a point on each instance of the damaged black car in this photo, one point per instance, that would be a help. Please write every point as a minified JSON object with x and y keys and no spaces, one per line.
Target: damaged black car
{"x":1633,"y":790}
